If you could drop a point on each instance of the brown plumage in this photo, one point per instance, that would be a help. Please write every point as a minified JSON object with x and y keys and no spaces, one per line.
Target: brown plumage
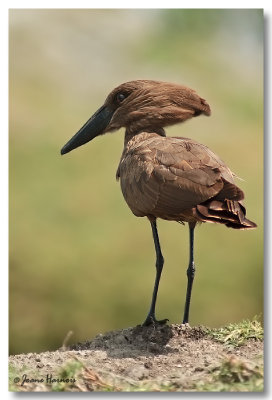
{"x":173,"y":178}
{"x":179,"y":179}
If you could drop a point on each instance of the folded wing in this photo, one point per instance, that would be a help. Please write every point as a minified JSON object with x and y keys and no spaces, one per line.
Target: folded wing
{"x":178,"y":177}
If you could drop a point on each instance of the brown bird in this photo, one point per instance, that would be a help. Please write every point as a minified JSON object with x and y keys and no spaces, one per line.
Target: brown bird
{"x":173,"y":178}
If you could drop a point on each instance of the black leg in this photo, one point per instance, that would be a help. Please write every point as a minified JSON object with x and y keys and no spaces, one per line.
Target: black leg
{"x":150,"y":319}
{"x":190,"y":275}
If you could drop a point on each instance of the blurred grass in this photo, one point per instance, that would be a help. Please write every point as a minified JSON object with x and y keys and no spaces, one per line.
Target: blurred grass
{"x":79,"y":260}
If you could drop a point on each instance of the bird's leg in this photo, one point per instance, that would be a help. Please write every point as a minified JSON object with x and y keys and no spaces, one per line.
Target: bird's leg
{"x":150,"y":319}
{"x":190,"y":275}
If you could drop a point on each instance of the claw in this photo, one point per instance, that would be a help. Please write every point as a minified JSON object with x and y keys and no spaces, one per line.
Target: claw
{"x":151,"y":320}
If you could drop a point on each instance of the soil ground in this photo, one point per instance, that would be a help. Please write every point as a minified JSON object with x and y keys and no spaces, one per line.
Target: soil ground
{"x":154,"y":358}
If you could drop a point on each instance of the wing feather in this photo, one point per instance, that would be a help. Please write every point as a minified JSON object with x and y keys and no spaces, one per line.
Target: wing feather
{"x":166,"y":175}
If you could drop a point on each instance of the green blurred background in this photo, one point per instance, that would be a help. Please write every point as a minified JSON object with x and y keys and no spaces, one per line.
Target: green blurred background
{"x":79,"y":259}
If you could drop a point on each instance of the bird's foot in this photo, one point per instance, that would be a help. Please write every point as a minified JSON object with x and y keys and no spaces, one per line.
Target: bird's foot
{"x":151,"y":320}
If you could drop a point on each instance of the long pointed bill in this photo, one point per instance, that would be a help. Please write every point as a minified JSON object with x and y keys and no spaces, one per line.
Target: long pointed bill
{"x":93,"y":127}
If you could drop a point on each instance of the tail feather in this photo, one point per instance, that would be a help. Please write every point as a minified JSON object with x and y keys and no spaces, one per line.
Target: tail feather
{"x":228,"y":212}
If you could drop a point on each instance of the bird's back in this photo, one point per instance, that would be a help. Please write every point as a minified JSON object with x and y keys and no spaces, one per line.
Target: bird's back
{"x":179,"y":179}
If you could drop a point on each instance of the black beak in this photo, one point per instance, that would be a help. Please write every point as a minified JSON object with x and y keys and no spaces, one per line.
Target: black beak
{"x":94,"y":126}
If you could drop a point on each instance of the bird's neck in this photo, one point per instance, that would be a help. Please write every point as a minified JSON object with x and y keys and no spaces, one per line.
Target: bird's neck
{"x":130,"y":134}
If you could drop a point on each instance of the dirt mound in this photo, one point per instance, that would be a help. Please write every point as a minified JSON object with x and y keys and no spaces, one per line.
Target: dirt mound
{"x":166,"y":357}
{"x":142,"y":341}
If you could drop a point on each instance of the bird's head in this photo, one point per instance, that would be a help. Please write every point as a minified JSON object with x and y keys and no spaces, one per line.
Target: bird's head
{"x":141,"y":106}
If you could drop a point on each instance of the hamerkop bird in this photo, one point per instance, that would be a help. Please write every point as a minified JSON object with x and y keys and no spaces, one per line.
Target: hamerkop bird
{"x":173,"y":178}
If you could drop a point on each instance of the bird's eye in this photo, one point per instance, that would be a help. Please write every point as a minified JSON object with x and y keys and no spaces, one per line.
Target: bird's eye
{"x":120,"y":97}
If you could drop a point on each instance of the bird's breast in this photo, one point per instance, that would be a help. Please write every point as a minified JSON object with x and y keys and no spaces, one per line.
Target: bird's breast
{"x":135,"y":169}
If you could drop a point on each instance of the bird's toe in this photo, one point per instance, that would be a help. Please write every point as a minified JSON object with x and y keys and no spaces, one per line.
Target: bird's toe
{"x":151,"y":320}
